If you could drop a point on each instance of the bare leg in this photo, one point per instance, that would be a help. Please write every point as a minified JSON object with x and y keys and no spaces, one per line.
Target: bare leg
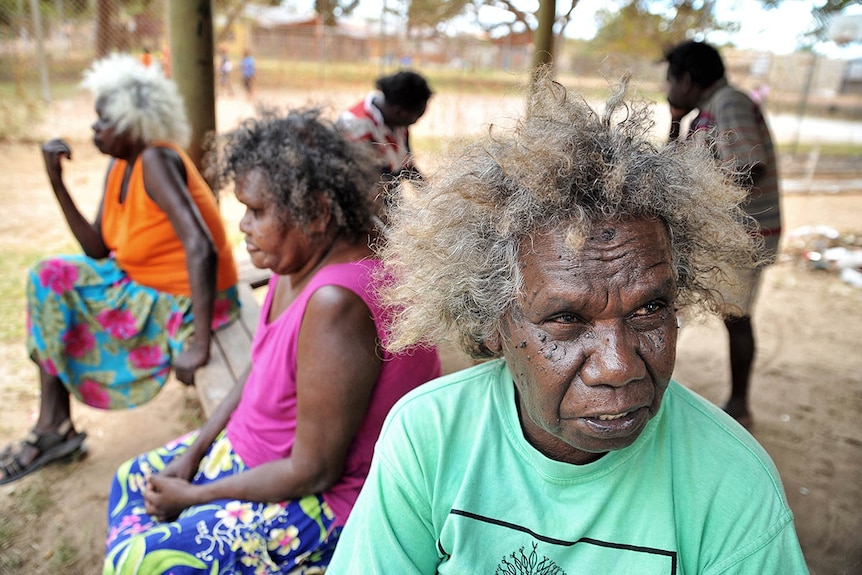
{"x":54,"y":405}
{"x":742,"y":350}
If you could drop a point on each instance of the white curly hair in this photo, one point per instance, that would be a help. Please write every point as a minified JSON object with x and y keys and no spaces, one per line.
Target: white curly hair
{"x":138,"y":99}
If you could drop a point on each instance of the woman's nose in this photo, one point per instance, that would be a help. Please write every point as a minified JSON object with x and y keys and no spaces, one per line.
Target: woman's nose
{"x":244,"y":221}
{"x":612,"y":357}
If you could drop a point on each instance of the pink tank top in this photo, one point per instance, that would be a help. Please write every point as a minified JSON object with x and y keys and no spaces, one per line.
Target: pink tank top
{"x":263,"y":426}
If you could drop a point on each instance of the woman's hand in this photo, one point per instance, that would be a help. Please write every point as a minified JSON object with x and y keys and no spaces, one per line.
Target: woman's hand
{"x":195,"y":355}
{"x":52,"y":152}
{"x":166,"y":497}
{"x":182,"y":467}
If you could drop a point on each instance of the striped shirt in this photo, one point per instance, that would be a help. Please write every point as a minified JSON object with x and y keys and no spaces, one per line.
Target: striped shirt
{"x":736,"y":126}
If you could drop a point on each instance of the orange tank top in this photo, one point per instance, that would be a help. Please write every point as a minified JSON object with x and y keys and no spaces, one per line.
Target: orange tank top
{"x":142,"y":238}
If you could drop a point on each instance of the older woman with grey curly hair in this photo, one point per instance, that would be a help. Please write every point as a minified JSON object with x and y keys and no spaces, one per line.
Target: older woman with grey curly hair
{"x":566,"y":249}
{"x":267,"y":483}
{"x":108,"y":325}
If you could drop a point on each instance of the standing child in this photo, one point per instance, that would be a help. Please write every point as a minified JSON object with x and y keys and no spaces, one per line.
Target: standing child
{"x":247,"y":68}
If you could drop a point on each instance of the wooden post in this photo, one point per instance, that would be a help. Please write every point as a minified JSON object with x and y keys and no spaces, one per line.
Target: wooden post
{"x":191,"y":53}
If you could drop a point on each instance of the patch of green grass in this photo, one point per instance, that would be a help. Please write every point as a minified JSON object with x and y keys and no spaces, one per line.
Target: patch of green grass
{"x":64,"y":557}
{"x":13,"y":269}
{"x":18,"y":116}
{"x":273,"y":73}
{"x":20,"y":509}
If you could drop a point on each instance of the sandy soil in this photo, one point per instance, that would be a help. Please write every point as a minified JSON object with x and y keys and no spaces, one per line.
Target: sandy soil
{"x":807,"y":389}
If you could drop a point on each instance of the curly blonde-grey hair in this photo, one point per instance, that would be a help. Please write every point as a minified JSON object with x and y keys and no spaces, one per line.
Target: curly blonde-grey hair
{"x":452,"y":253}
{"x":138,"y":99}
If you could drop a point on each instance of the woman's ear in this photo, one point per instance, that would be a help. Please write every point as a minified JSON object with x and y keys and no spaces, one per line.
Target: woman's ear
{"x":494,"y":343}
{"x":324,"y":215}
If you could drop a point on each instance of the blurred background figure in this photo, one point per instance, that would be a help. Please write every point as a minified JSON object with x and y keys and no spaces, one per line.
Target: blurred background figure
{"x":742,"y":142}
{"x":225,"y":67}
{"x":383,"y":119}
{"x":249,"y":72}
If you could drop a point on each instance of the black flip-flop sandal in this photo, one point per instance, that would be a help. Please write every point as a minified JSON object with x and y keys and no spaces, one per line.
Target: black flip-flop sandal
{"x":52,"y":445}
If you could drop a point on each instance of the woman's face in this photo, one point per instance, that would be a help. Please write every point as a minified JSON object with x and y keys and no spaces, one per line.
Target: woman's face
{"x":272,"y":239}
{"x":106,"y":138}
{"x":591,"y":343}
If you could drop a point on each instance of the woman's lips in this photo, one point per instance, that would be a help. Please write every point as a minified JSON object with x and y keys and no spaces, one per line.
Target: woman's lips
{"x":617,"y":424}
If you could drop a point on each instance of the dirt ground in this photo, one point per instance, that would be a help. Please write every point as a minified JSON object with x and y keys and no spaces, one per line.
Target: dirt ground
{"x":806,"y":397}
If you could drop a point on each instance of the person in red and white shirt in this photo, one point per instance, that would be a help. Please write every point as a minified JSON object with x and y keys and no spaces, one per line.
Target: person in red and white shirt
{"x":383,"y":119}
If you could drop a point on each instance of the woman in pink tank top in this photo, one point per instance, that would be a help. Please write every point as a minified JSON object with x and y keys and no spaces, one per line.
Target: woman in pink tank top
{"x":268,"y":482}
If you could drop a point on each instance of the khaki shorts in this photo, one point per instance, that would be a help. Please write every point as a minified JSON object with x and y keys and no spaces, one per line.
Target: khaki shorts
{"x":741,"y":302}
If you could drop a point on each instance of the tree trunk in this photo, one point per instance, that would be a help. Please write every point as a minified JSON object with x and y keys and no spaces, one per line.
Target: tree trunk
{"x":543,"y":37}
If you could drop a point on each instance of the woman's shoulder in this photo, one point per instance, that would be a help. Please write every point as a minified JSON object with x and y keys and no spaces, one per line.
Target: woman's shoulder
{"x":357,"y":274}
{"x":722,"y":443}
{"x":443,"y":399}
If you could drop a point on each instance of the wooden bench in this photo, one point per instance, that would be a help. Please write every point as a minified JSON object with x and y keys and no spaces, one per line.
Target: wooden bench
{"x":230,"y":351}
{"x":230,"y":354}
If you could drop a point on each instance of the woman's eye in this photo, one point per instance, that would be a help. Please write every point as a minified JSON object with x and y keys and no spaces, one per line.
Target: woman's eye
{"x":649,"y":309}
{"x":565,"y":318}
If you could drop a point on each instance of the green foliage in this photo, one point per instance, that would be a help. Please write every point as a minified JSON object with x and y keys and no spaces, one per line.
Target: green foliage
{"x":433,"y":13}
{"x":643,"y":27}
{"x":332,"y":10}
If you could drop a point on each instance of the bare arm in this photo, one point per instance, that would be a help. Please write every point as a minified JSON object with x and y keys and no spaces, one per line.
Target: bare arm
{"x":185,"y":466}
{"x":337,"y":369}
{"x":676,"y":116}
{"x":165,"y":184}
{"x":88,"y":235}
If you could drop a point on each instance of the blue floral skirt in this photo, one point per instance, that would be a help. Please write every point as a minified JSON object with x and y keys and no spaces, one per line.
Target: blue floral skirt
{"x":218,"y":538}
{"x":109,"y":340}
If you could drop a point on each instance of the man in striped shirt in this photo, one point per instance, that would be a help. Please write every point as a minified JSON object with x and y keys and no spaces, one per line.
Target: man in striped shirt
{"x":734,"y":124}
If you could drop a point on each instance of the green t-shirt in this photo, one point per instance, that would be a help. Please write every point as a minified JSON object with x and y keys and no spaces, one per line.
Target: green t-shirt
{"x":455,"y":488}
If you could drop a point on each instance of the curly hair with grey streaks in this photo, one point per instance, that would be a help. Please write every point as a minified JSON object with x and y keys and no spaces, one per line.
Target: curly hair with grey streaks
{"x":303,"y":158}
{"x":452,"y":254}
{"x":138,"y":99}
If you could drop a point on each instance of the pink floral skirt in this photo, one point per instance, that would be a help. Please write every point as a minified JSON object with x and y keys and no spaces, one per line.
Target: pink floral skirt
{"x":109,"y":340}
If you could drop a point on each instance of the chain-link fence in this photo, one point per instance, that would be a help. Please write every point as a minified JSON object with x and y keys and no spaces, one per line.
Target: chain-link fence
{"x":46,"y":44}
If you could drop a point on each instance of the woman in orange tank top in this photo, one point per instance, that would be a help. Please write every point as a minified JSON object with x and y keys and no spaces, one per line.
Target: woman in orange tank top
{"x":107,"y":326}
